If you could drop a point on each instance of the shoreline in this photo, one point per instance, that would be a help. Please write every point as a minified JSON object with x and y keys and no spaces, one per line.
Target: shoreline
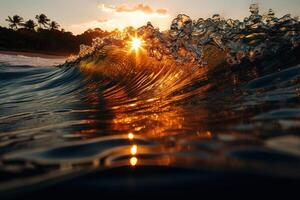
{"x":35,"y":54}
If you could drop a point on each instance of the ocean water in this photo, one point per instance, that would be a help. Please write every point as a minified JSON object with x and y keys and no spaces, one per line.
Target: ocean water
{"x":58,"y":122}
{"x":207,"y":106}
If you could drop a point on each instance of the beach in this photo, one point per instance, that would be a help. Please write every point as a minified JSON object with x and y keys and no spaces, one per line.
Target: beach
{"x":36,"y":54}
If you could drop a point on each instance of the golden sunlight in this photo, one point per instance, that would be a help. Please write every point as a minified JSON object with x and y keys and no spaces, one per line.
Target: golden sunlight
{"x":133,"y":161}
{"x":136,"y":44}
{"x":133,"y":150}
{"x":130,"y":136}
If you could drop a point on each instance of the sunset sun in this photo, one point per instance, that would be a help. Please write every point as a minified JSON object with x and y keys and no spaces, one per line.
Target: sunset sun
{"x":136,"y":44}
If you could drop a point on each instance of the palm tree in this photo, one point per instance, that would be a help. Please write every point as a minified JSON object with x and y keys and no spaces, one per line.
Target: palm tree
{"x":30,"y":24}
{"x":42,"y":20}
{"x":54,"y":25}
{"x":15,"y":21}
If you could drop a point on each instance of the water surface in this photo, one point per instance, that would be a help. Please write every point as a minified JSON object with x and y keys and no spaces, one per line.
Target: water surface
{"x":60,"y":122}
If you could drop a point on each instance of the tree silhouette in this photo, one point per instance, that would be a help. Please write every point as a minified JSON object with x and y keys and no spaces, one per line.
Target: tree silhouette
{"x":30,"y":24}
{"x":54,"y":25}
{"x":43,"y":20}
{"x":49,"y":37}
{"x":14,"y":21}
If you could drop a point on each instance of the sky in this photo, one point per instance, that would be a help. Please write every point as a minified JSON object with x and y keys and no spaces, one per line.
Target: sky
{"x":79,"y":15}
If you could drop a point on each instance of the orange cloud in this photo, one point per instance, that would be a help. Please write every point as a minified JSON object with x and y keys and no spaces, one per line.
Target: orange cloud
{"x":162,"y":11}
{"x":137,"y":8}
{"x":102,"y":20}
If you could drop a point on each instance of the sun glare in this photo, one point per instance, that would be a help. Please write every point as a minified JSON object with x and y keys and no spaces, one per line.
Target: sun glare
{"x":136,"y":43}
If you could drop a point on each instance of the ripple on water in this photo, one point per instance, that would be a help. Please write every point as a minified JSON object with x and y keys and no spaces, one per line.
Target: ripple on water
{"x":77,"y":152}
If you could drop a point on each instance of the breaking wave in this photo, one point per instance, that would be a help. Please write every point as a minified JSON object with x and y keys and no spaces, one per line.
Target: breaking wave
{"x":213,"y":92}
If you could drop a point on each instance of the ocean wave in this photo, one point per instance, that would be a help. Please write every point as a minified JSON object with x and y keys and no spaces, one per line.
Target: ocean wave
{"x":164,"y":103}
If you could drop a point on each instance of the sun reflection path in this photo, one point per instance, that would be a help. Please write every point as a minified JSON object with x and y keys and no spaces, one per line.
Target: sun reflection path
{"x":133,"y":151}
{"x":130,"y":136}
{"x":133,"y":161}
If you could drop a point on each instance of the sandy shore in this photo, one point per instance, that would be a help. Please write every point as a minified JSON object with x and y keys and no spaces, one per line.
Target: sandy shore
{"x":33,"y":54}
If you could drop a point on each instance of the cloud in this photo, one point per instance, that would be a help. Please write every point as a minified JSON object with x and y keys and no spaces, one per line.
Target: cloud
{"x":102,"y":20}
{"x":122,"y":16}
{"x":162,"y":11}
{"x":146,"y":9}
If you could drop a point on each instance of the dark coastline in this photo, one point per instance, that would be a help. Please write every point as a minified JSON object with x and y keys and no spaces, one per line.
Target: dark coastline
{"x":44,"y":41}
